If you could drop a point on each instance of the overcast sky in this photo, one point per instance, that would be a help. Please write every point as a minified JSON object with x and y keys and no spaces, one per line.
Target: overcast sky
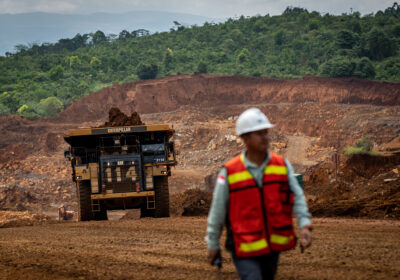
{"x":209,"y":8}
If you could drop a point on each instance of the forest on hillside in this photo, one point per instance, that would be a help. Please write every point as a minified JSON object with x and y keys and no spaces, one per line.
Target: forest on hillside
{"x":41,"y":80}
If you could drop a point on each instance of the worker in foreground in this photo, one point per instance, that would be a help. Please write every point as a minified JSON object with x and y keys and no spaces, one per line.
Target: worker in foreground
{"x":255,"y":196}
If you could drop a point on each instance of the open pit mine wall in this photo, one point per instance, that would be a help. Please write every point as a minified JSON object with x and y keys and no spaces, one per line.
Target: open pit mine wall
{"x":168,"y":94}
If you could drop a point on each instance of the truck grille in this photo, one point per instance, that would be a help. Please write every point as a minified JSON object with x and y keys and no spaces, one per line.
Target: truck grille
{"x":121,"y":173}
{"x":121,"y":187}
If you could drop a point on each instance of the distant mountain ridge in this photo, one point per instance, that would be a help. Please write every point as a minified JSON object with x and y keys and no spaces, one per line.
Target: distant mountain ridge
{"x":41,"y":27}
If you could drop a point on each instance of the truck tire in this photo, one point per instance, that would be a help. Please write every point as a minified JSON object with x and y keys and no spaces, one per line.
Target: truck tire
{"x":145,"y":213}
{"x":161,"y":196}
{"x":84,"y":202}
{"x":102,"y":214}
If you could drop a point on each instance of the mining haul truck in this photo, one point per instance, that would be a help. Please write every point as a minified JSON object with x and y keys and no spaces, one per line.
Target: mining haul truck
{"x":121,"y":168}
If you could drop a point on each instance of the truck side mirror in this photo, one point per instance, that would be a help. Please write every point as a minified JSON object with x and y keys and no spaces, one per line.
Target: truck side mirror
{"x":67,"y":154}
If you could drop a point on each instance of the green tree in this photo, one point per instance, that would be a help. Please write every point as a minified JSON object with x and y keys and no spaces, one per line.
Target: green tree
{"x":379,"y":45}
{"x":389,"y":69}
{"x":313,"y":25}
{"x":27,"y":112}
{"x":95,"y":62}
{"x":346,"y":39}
{"x":364,"y":69}
{"x":202,"y":66}
{"x":51,"y":105}
{"x":9,"y":100}
{"x":123,"y":35}
{"x":168,"y":59}
{"x":280,"y":37}
{"x":99,"y":37}
{"x":4,"y":110}
{"x":396,"y":30}
{"x":56,"y":73}
{"x":243,"y":56}
{"x":73,"y":61}
{"x":338,"y":67}
{"x":259,"y":25}
{"x":147,"y":71}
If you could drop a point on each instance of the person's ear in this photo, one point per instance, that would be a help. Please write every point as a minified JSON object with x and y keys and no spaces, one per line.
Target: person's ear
{"x":245,"y":138}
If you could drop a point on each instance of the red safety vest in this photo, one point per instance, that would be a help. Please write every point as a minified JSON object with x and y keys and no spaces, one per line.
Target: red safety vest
{"x":260,"y":218}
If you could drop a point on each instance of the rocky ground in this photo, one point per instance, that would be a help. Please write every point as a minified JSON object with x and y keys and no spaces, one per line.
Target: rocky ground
{"x":315,"y":118}
{"x":173,"y":248}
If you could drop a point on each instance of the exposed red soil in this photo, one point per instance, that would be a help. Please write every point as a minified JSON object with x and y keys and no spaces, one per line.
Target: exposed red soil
{"x":327,"y":114}
{"x":168,"y":94}
{"x":366,"y":186}
{"x":191,"y":202}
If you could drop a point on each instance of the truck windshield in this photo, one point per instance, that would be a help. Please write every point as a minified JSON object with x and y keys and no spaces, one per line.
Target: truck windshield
{"x":153,"y":148}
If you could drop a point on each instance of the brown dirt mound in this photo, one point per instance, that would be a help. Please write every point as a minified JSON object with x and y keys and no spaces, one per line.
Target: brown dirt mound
{"x":391,"y":147}
{"x":131,"y":215}
{"x":365,"y":166}
{"x":192,"y":202}
{"x":118,"y":118}
{"x":15,"y":219}
{"x":171,"y":93}
{"x":368,"y":186}
{"x":15,"y":198}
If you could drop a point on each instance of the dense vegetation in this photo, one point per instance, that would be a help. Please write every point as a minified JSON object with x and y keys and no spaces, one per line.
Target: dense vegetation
{"x":42,"y":79}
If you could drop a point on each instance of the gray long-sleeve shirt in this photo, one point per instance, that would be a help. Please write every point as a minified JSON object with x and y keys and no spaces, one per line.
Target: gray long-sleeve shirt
{"x":220,"y":202}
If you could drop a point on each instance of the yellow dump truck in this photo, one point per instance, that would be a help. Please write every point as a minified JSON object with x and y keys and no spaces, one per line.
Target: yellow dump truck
{"x":124,"y":167}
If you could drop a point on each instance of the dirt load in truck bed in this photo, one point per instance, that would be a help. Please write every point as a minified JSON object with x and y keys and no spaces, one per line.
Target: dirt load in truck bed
{"x":118,"y":118}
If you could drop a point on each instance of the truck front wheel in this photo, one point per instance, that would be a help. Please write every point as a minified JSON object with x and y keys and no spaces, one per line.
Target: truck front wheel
{"x":84,"y":202}
{"x":161,"y":196}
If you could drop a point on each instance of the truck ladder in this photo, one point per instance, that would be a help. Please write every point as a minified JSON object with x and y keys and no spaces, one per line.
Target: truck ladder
{"x":151,"y":202}
{"x":96,"y":205}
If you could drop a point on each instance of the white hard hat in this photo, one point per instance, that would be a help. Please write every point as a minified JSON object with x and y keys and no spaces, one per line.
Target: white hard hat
{"x":252,"y":120}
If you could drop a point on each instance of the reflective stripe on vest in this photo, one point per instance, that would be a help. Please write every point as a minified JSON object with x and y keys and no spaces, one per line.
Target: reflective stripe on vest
{"x":253,"y":246}
{"x":238,"y":177}
{"x":275,"y":170}
{"x":280,"y":239}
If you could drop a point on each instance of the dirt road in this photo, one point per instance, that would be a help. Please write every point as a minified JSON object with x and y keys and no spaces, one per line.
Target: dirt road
{"x":173,"y":248}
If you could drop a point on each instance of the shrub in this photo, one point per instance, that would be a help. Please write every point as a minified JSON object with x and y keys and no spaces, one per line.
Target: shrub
{"x":147,"y":71}
{"x":346,"y":39}
{"x":364,"y":68}
{"x":338,"y":67}
{"x":4,"y":110}
{"x":51,"y":106}
{"x":202,"y":67}
{"x":56,"y":72}
{"x":27,"y":112}
{"x":379,"y":45}
{"x":363,"y":145}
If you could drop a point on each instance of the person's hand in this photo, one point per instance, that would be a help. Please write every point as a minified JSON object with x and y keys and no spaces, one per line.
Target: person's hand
{"x":305,"y":238}
{"x":213,"y":255}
